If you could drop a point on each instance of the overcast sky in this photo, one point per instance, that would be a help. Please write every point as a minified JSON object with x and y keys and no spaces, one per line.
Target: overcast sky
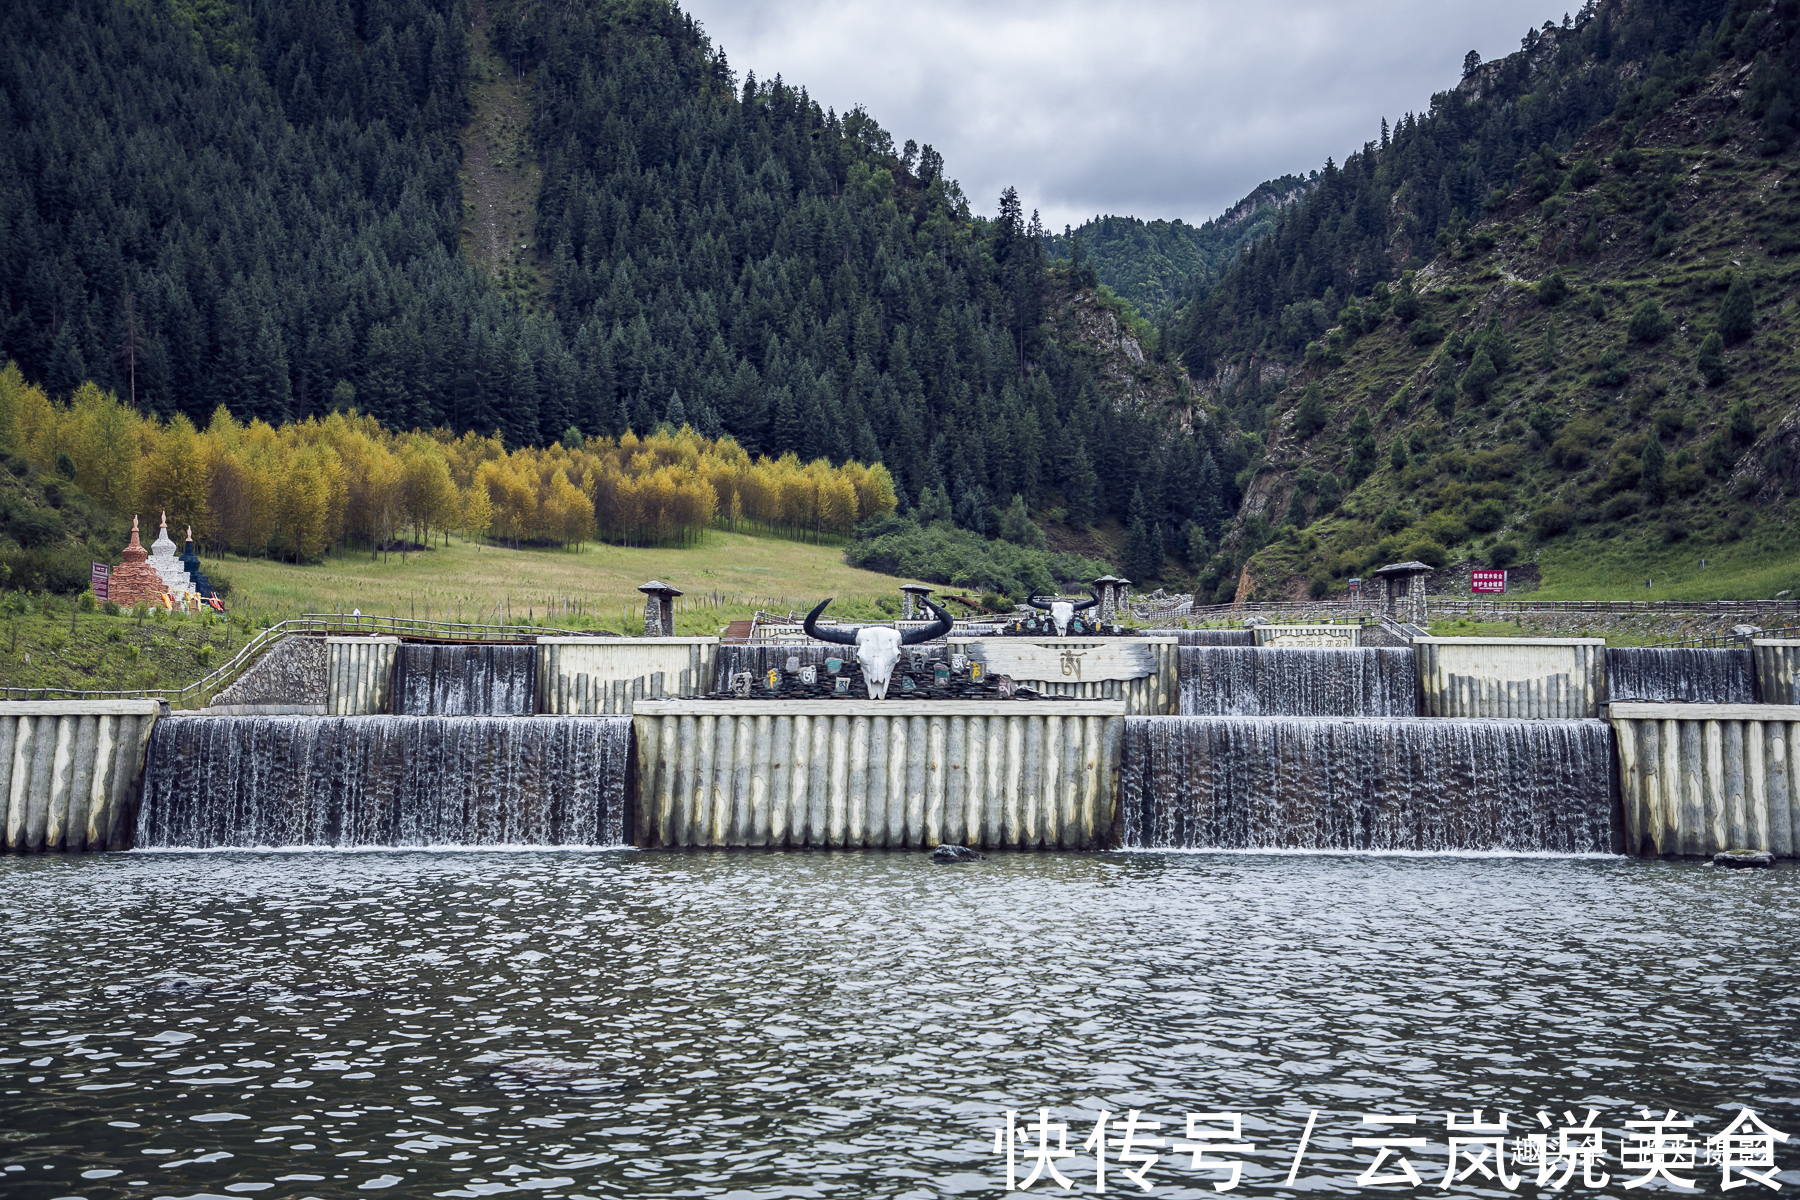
{"x":1157,"y":108}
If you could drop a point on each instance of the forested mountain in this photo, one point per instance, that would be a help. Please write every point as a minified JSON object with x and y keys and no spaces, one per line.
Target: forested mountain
{"x":1383,"y":210}
{"x":258,"y":206}
{"x":1583,"y":354}
{"x":1158,"y":265}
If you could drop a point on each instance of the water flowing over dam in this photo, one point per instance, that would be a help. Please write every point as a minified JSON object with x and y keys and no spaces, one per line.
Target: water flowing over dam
{"x":1680,"y":676}
{"x":1206,"y":637}
{"x":1419,"y":784}
{"x":348,"y":782}
{"x":1478,"y":745}
{"x":1241,"y":681}
{"x":465,"y":681}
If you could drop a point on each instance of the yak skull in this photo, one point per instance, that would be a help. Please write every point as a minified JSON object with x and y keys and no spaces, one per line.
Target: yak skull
{"x":878,"y":646}
{"x":1063,"y":611}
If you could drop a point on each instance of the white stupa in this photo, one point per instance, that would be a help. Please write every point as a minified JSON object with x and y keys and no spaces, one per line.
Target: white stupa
{"x":167,"y":566}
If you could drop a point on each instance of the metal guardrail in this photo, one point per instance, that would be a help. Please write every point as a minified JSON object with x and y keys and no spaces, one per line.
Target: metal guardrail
{"x":202,"y":690}
{"x":1726,"y":641}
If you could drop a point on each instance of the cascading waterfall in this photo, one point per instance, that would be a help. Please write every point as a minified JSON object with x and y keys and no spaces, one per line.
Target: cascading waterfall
{"x":1220,"y":681}
{"x":1664,"y":675}
{"x":1421,"y":784}
{"x":386,"y":781}
{"x":1205,"y":637}
{"x":465,"y":681}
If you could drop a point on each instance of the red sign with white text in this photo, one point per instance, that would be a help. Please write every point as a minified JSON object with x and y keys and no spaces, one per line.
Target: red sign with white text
{"x":1487,"y":581}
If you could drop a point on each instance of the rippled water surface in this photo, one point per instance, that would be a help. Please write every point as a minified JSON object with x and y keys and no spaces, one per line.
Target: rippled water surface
{"x":624,"y":1023}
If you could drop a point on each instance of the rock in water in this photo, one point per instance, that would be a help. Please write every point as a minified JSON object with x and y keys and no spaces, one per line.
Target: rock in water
{"x":954,"y":854}
{"x":1743,"y":858}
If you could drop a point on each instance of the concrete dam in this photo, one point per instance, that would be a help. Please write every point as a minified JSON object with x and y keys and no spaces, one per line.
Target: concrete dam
{"x":1203,"y":739}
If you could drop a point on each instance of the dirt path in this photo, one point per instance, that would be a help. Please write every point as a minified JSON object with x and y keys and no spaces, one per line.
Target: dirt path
{"x":501,"y":176}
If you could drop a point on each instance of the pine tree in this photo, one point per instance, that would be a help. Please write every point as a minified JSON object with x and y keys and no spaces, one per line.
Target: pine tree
{"x":1208,"y":503}
{"x":1710,"y":361}
{"x":1737,"y":312}
{"x":675,"y":413}
{"x":1650,"y":478}
{"x":1138,"y":563}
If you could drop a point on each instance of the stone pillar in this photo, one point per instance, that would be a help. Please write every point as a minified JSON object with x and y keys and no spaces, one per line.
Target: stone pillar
{"x":912,"y":601}
{"x":1103,"y":588}
{"x":1121,"y":595}
{"x":659,"y":609}
{"x":1404,"y":595}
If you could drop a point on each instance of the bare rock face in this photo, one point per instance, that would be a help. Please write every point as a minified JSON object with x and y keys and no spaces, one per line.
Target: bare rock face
{"x":291,"y":673}
{"x":1743,"y":858}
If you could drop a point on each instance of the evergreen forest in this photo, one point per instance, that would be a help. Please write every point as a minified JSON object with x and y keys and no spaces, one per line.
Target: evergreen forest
{"x":212,"y":204}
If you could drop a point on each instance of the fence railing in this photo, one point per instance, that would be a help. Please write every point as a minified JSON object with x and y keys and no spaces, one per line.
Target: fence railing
{"x":1726,"y":641}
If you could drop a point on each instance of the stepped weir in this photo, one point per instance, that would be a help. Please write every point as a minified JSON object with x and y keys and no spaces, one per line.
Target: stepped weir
{"x":1269,"y":739}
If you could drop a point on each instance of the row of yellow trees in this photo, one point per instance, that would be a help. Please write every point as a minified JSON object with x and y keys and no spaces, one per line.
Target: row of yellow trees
{"x":292,"y":491}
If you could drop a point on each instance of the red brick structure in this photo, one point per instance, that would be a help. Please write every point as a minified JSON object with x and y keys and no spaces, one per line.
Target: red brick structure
{"x":134,"y":581}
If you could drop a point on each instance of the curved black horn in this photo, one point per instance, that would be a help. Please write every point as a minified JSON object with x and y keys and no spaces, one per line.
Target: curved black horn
{"x":913,"y":637}
{"x":835,"y":636}
{"x":1087,"y":604}
{"x":1036,"y":603}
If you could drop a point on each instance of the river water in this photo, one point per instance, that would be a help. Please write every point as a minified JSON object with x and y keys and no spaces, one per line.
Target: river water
{"x":614,"y":1023}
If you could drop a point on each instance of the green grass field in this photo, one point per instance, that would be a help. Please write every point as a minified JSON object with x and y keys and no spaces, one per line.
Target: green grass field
{"x":727,"y":577}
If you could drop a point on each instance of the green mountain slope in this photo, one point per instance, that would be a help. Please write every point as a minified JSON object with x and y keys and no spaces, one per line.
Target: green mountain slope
{"x":1599,"y":374}
{"x":1157,"y":265}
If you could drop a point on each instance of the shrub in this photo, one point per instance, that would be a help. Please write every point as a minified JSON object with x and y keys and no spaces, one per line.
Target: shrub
{"x":1318,"y":586}
{"x":1427,"y":552}
{"x":1621,"y":506}
{"x":1406,"y":305}
{"x":64,"y":572}
{"x":1498,"y":463}
{"x":1502,"y":555}
{"x":1554,"y":519}
{"x":34,"y":527}
{"x":1442,"y":527}
{"x":1743,"y":423}
{"x":1425,"y":333}
{"x":947,"y":555}
{"x":1625,"y":473}
{"x":1649,"y":323}
{"x":1391,"y":520}
{"x":1552,"y":289}
{"x":1612,"y":372}
{"x":1486,"y":516}
{"x":1586,"y":171}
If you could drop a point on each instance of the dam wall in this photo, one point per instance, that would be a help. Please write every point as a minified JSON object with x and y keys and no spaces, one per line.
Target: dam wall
{"x":1777,"y":670}
{"x":1523,"y":678}
{"x":589,"y":676}
{"x":70,"y":771}
{"x":1013,"y":775}
{"x":359,"y":675}
{"x":1139,"y":671}
{"x":1696,"y":779}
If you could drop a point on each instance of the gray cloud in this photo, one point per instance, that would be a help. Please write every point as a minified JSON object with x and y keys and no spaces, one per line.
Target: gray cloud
{"x":1160,"y":108}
